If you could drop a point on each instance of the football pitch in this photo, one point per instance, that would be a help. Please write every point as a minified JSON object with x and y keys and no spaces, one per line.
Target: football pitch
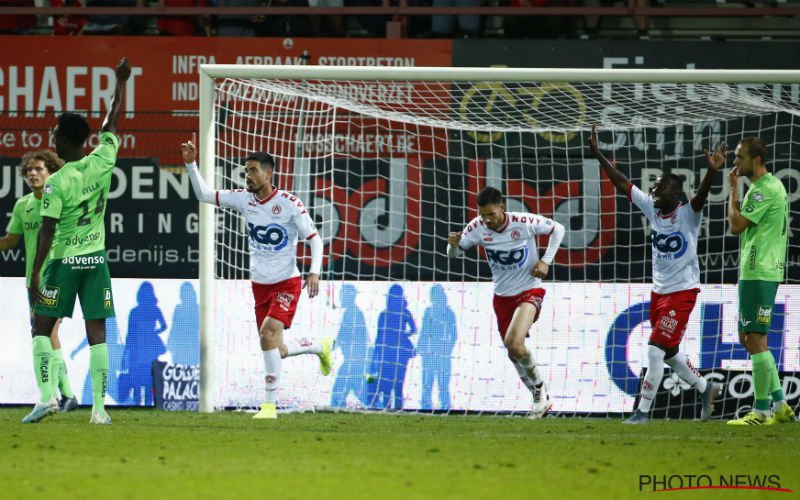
{"x":153,"y":454}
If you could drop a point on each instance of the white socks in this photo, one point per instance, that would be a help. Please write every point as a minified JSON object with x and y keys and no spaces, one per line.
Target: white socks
{"x":302,"y":346}
{"x":528,"y":372}
{"x":272,"y":369}
{"x":681,"y":365}
{"x":652,"y":381}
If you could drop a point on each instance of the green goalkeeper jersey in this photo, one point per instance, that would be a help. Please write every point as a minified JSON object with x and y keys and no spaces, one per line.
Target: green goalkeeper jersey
{"x":76,"y":196}
{"x":26,"y":220}
{"x":764,"y":242}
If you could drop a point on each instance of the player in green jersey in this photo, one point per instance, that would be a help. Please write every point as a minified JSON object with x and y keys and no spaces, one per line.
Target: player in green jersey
{"x":72,"y":235}
{"x":762,"y":223}
{"x":36,"y":167}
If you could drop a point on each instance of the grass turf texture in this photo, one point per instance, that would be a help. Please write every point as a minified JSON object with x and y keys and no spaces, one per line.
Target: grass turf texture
{"x":154,"y":454}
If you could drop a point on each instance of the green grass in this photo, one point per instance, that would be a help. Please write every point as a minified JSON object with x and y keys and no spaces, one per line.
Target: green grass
{"x":153,"y":455}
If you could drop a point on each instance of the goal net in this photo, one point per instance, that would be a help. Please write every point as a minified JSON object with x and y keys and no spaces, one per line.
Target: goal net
{"x":388,"y":162}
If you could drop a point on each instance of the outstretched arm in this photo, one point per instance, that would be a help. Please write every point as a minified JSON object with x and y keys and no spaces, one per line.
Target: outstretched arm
{"x":715,"y":162}
{"x":618,"y":178}
{"x":123,"y":72}
{"x":201,"y":190}
{"x":10,"y":240}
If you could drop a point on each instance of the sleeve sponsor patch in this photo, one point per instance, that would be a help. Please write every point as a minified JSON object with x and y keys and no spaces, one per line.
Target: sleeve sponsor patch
{"x":48,"y":188}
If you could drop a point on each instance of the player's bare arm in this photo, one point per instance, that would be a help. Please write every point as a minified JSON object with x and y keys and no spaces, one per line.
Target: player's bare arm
{"x":716,"y":161}
{"x":123,"y":72}
{"x":618,"y":178}
{"x":189,"y":152}
{"x":736,"y":220}
{"x":312,"y":284}
{"x":453,"y":239}
{"x":540,"y":270}
{"x":43,"y":244}
{"x":9,"y":241}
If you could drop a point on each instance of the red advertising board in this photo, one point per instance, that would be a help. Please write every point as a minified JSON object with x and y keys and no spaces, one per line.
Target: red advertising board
{"x":41,"y":76}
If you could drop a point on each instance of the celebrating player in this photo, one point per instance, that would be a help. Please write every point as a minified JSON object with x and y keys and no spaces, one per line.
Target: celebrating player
{"x":509,"y":239}
{"x":762,"y":223}
{"x":36,"y":167}
{"x":676,"y":274}
{"x":275,"y":219}
{"x":73,"y":209}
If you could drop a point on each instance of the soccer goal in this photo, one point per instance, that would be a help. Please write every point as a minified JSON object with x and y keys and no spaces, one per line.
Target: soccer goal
{"x":389,"y":160}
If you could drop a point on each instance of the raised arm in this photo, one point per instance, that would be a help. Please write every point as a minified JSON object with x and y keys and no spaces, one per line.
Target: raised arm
{"x":618,"y":178}
{"x":201,"y":190}
{"x":737,"y":221}
{"x":453,"y":250}
{"x":123,"y":72}
{"x":45,"y":240}
{"x":715,"y":162}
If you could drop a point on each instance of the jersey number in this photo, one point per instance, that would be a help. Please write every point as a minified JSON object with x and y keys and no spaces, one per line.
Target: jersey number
{"x":85,"y":219}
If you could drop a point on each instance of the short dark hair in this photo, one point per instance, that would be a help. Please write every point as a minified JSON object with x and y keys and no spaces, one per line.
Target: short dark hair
{"x":675,"y":180}
{"x":755,"y":147}
{"x":51,"y":161}
{"x":74,"y":128}
{"x":266,"y":161}
{"x":490,"y":196}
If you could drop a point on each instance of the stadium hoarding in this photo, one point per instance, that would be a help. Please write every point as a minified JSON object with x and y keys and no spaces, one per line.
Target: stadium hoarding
{"x":151,"y":220}
{"x":388,"y":218}
{"x":591,"y":341}
{"x":39,"y":78}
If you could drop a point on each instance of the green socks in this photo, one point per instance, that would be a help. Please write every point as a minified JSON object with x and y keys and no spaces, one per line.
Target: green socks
{"x":61,"y":375}
{"x":42,"y":366}
{"x":765,"y":380}
{"x":98,"y":367}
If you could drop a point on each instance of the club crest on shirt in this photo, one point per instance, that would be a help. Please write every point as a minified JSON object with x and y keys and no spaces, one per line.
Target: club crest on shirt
{"x":515,"y":234}
{"x":276,"y":209}
{"x":48,"y":189}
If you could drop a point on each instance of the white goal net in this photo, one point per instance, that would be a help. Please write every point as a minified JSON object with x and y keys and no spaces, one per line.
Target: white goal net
{"x":388,"y":162}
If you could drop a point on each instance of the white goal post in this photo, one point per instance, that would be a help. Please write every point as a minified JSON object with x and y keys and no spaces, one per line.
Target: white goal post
{"x":487,"y":126}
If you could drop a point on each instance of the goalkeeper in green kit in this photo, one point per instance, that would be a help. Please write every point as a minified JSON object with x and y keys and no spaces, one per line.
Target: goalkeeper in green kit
{"x":72,"y":235}
{"x":762,"y":223}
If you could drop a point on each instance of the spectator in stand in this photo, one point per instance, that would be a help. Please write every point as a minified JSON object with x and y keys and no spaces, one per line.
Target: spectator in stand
{"x":17,"y":25}
{"x":468,"y":25}
{"x":333,"y":23}
{"x":68,"y":24}
{"x":183,"y":25}
{"x":285,"y":25}
{"x":115,"y":24}
{"x":593,"y":22}
{"x":540,"y":26}
{"x":239,"y":25}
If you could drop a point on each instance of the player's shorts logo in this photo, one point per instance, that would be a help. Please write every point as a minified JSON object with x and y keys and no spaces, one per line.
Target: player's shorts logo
{"x":764,"y":316}
{"x":107,"y":300}
{"x":669,"y":246}
{"x":50,"y":294}
{"x":272,"y":235}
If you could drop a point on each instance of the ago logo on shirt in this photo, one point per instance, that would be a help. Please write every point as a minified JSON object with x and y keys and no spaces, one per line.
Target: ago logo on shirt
{"x":270,"y":237}
{"x":669,"y":246}
{"x":514,"y":258}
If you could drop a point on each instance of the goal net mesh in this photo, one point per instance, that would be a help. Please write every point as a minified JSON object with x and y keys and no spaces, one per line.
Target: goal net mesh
{"x":388,"y":168}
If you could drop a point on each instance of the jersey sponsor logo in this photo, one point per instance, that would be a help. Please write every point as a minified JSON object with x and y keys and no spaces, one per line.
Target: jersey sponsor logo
{"x":668,"y":324}
{"x":107,"y":301}
{"x":509,"y":259}
{"x":50,"y":295}
{"x":272,"y":236}
{"x":83,"y":260}
{"x":764,"y":315}
{"x":669,"y":246}
{"x":80,"y":240}
{"x":758,"y":196}
{"x":29,"y":210}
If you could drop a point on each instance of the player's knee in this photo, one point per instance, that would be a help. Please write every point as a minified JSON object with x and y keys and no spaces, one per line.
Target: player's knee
{"x":515,"y":351}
